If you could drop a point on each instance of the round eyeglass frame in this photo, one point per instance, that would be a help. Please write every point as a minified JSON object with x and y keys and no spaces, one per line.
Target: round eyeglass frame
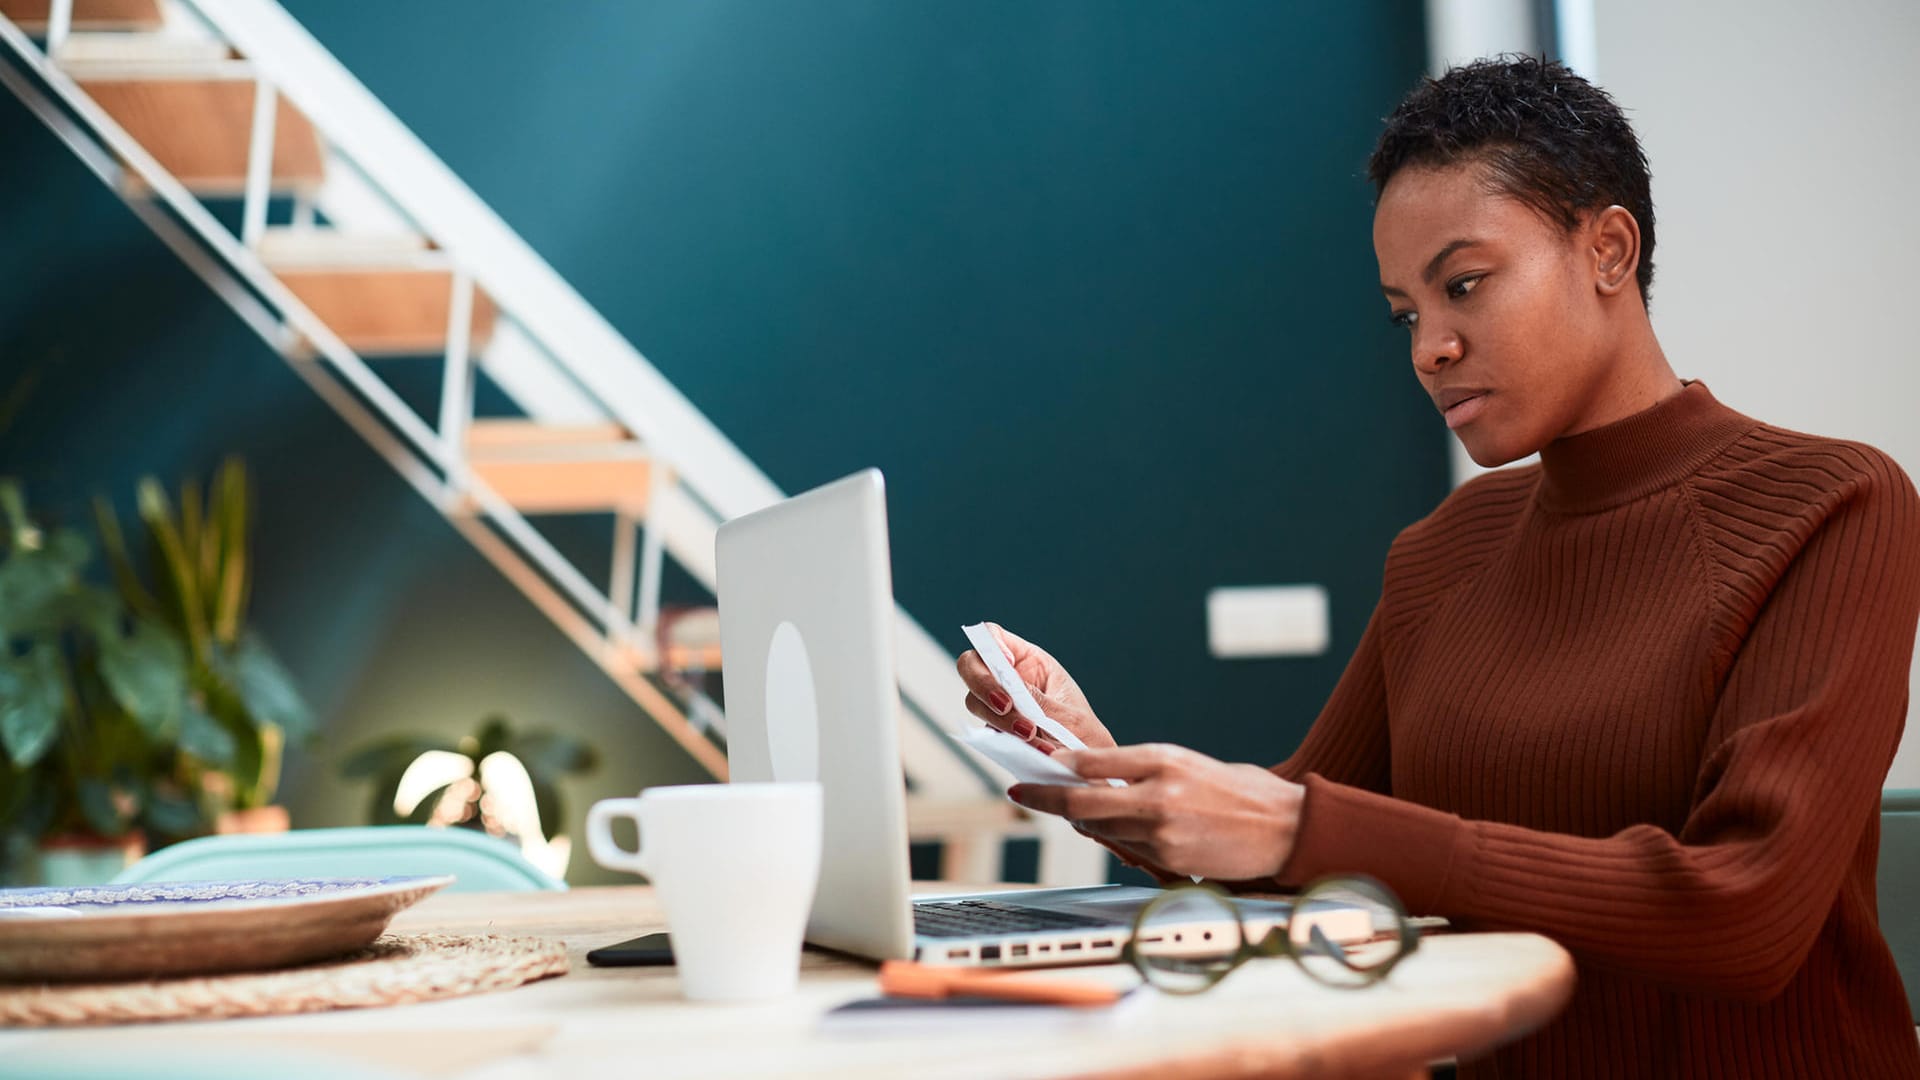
{"x":1277,"y":941}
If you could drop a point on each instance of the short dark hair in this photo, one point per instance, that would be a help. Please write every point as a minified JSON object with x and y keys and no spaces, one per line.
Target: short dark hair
{"x":1547,"y":137}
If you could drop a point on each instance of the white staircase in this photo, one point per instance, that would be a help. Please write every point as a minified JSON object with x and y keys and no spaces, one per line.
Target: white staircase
{"x":386,"y":256}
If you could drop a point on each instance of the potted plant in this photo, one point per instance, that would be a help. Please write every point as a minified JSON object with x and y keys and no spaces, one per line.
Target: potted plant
{"x":503,"y":782}
{"x":97,"y":728}
{"x":200,"y":568}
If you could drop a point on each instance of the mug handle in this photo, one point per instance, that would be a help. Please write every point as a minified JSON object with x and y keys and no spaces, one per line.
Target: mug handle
{"x":600,"y":843}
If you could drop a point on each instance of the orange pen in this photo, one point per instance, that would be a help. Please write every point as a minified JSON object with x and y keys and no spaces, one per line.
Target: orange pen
{"x":904,"y":978}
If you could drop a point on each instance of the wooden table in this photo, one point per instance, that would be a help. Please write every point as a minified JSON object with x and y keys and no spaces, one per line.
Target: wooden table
{"x":1459,"y":995}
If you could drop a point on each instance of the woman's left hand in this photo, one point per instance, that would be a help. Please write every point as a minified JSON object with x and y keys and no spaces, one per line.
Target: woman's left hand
{"x":1182,"y":810}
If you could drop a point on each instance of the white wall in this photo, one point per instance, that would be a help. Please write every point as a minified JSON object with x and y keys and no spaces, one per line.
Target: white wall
{"x":1785,"y":147}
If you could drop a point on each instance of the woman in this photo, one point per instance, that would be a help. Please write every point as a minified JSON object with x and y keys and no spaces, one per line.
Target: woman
{"x":1640,"y":697}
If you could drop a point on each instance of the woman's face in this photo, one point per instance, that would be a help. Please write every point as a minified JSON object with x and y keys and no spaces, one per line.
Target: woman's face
{"x":1501,"y":309}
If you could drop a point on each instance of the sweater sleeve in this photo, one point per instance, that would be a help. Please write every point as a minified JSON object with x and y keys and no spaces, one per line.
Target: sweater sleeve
{"x":1799,"y":743}
{"x":1348,"y":742}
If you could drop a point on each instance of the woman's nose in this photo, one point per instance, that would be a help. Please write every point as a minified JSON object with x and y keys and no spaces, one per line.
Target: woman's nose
{"x":1434,"y":349}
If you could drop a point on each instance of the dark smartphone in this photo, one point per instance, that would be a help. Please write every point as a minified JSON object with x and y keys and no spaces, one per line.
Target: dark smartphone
{"x":648,"y":950}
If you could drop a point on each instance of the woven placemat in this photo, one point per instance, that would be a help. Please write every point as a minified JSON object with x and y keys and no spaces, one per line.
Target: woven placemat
{"x":394,"y":970}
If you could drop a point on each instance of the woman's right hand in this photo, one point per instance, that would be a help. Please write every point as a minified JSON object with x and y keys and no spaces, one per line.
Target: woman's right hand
{"x":1052,"y":687}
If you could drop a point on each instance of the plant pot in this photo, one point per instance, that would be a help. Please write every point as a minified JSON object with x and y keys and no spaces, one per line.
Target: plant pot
{"x":76,"y":860}
{"x":258,"y":819}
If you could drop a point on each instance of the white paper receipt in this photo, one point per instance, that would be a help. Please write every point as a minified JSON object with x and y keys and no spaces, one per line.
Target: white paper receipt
{"x":988,"y":647}
{"x":1027,"y":764}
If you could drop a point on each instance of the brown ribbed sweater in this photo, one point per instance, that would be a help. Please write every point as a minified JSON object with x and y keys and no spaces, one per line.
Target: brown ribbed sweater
{"x":1641,"y":698}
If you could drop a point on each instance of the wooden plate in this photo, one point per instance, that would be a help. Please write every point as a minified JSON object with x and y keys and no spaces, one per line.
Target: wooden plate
{"x":108,"y":932}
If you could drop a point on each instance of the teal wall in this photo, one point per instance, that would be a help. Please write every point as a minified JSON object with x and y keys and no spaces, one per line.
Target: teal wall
{"x":1092,"y":283}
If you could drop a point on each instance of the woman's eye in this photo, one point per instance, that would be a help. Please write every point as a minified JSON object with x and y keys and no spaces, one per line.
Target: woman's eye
{"x":1461,"y":287}
{"x":1402,"y":319}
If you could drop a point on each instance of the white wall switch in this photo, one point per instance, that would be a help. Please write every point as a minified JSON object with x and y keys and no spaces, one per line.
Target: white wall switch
{"x":1249,"y":621}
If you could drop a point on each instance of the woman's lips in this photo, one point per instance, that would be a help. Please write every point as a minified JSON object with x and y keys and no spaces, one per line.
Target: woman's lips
{"x":1465,"y":411}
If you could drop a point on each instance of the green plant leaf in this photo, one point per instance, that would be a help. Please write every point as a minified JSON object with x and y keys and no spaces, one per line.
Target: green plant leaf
{"x":125,"y":577}
{"x":173,"y":816}
{"x":264,"y":781}
{"x":173,"y":564}
{"x":380,"y":809}
{"x":249,"y":761}
{"x":33,"y":581}
{"x":266,"y":690}
{"x":146,"y":672}
{"x":494,"y":735}
{"x":422,"y":813}
{"x":548,"y":755}
{"x":31,"y":697}
{"x":231,"y":515}
{"x":29,"y":807}
{"x":192,"y":536}
{"x":13,"y":506}
{"x":553,"y":812}
{"x":68,"y":550}
{"x":97,"y":806}
{"x":205,"y":738}
{"x":389,"y":755}
{"x":84,"y":607}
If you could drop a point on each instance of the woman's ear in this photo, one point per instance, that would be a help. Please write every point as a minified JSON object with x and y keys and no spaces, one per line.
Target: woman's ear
{"x":1615,"y":236}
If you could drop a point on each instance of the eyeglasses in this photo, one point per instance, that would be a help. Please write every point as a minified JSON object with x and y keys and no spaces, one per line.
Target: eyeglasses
{"x":1346,"y":932}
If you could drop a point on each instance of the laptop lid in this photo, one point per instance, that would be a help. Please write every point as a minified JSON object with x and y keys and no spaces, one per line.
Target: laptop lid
{"x":806,"y":625}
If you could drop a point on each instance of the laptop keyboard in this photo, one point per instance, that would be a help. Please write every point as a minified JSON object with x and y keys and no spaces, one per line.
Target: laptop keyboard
{"x":979,"y":918}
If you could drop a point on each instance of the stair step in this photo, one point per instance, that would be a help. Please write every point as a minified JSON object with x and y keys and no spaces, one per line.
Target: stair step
{"x":501,"y":438}
{"x":554,"y":469}
{"x":387,"y":311}
{"x":32,"y":15}
{"x":168,"y":52}
{"x":200,"y":128}
{"x":693,"y":639}
{"x":335,"y":248}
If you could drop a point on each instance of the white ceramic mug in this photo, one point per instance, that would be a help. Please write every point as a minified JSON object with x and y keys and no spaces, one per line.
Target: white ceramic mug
{"x":735,"y":866}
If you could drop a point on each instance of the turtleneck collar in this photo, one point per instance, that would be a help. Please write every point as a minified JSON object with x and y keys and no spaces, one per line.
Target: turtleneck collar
{"x":1638,"y":455}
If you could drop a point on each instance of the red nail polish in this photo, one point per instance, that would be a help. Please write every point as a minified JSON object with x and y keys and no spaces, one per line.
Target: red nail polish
{"x":1000,"y":701}
{"x":1023,"y":729}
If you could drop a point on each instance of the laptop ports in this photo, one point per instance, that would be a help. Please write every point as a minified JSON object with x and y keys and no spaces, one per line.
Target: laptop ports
{"x":989,"y":952}
{"x":1016,"y":951}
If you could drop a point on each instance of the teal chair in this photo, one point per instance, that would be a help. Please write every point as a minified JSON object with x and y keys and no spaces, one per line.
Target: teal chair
{"x":1899,"y":885}
{"x":479,"y":863}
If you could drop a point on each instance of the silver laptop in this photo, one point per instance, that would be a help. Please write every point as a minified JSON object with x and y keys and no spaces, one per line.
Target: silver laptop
{"x":806,"y":627}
